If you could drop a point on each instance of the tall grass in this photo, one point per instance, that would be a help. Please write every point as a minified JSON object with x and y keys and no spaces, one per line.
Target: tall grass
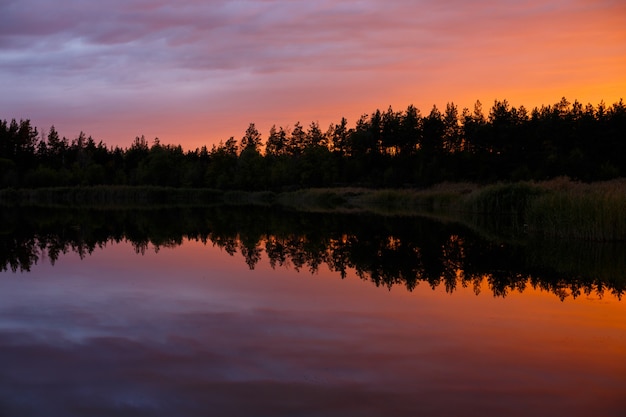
{"x":318,"y":199}
{"x":247,"y":198}
{"x":109,"y":196}
{"x":513,"y":198}
{"x":582,"y":211}
{"x":443,"y":198}
{"x":558,"y":208}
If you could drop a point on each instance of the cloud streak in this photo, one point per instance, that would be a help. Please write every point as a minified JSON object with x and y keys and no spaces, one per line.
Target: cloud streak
{"x":207,"y":58}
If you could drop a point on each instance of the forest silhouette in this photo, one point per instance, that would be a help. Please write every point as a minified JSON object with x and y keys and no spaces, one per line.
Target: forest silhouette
{"x":387,"y":251}
{"x":383,"y":149}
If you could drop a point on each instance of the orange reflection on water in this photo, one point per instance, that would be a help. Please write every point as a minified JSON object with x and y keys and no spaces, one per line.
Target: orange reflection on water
{"x":194,"y":322}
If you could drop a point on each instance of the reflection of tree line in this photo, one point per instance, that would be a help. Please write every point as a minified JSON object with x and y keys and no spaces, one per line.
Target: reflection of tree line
{"x":386,"y":251}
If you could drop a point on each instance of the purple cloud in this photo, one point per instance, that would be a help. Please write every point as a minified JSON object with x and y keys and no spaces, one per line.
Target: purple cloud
{"x":69,"y":61}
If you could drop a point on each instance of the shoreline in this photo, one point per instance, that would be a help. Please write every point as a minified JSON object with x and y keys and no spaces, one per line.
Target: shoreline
{"x":558,"y":208}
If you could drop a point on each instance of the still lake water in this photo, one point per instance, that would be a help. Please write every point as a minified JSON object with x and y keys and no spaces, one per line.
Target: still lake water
{"x":246,"y":312}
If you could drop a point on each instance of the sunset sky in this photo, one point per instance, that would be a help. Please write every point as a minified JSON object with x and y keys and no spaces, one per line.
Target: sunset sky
{"x":196,"y":72}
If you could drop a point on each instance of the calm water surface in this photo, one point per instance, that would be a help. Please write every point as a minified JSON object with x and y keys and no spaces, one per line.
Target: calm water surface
{"x":229,"y":328}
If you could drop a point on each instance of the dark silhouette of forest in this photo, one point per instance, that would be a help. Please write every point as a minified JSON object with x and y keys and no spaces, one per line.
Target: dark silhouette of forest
{"x":386,"y":251}
{"x":383,"y":149}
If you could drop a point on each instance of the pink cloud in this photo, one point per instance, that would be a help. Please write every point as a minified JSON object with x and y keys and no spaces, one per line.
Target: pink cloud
{"x":181,"y":63}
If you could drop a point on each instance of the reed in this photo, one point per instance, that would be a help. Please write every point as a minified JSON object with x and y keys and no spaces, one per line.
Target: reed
{"x":247,"y":198}
{"x":558,"y":208}
{"x":512,"y":199}
{"x":318,"y":199}
{"x":442,"y":198}
{"x":582,"y":211}
{"x":109,"y":196}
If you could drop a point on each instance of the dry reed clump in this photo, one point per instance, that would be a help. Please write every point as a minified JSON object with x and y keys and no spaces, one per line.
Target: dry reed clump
{"x":243,"y":198}
{"x":315,"y":199}
{"x":389,"y":199}
{"x":569,"y":209}
{"x":444,"y":197}
{"x":502,"y":198}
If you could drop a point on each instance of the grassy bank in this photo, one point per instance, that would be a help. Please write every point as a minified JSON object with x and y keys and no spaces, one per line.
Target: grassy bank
{"x":583,"y":211}
{"x":557,"y":208}
{"x":110,"y":197}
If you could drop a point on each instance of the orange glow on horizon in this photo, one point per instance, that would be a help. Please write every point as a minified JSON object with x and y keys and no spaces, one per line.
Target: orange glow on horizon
{"x":297,"y":63}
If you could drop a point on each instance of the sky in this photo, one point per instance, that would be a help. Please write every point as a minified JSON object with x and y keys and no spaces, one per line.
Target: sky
{"x":194,"y":72}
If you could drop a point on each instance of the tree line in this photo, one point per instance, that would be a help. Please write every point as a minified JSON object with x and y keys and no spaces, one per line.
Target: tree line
{"x":383,"y":149}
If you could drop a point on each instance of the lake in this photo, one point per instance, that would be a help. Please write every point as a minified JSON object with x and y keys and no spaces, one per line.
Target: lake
{"x":235,"y":311}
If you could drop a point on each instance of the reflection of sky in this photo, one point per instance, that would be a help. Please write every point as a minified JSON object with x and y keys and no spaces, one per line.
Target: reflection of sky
{"x":191,"y":331}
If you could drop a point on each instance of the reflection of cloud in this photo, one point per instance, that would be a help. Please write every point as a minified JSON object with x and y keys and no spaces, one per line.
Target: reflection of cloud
{"x":117,"y":376}
{"x":267,"y":362}
{"x":190,"y":331}
{"x":237,"y":364}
